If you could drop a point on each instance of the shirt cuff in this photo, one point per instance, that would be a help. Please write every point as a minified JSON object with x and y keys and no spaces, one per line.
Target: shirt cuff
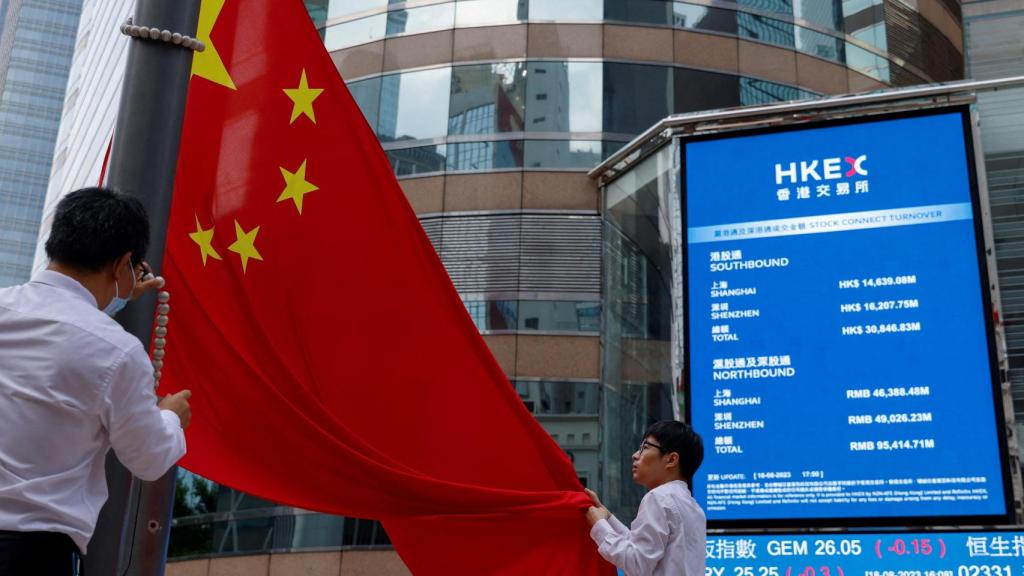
{"x":170,"y":418}
{"x":600,"y":530}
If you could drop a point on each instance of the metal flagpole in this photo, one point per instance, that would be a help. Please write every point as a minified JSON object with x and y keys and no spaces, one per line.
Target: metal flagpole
{"x":134,"y":526}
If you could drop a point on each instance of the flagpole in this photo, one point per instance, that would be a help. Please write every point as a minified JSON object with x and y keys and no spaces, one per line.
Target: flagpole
{"x":133,"y":532}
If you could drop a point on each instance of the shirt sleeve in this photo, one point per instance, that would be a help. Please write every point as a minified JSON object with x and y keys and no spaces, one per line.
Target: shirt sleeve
{"x":637,"y":550}
{"x":617,"y":525}
{"x":147,"y":440}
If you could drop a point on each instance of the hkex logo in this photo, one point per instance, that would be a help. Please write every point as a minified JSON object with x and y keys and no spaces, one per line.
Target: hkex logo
{"x":818,"y":170}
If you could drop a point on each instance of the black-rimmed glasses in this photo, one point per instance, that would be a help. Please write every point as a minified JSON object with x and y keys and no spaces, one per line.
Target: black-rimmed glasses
{"x":645,"y":445}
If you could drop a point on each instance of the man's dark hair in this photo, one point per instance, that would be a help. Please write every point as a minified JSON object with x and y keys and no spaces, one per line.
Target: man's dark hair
{"x":674,"y":436}
{"x":95,"y":226}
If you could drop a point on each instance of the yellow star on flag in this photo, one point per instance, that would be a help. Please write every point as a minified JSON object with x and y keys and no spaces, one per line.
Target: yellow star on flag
{"x":208,"y":64}
{"x":302,"y":99}
{"x":296,"y":186}
{"x":204,"y":238}
{"x":245,"y":245}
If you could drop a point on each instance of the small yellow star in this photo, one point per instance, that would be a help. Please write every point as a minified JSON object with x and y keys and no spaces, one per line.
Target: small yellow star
{"x":245,"y":245}
{"x":296,"y":186}
{"x":208,"y":63}
{"x":204,"y":238}
{"x":302,"y":99}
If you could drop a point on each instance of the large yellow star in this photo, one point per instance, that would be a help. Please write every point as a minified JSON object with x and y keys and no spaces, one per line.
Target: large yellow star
{"x":208,"y":64}
{"x":245,"y":245}
{"x":302,"y":99}
{"x":204,"y":238}
{"x":296,"y":186}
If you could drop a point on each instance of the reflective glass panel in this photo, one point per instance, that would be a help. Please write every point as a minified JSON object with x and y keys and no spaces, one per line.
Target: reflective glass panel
{"x":338,"y":8}
{"x":191,"y":538}
{"x":566,"y":9}
{"x":312,"y":531}
{"x":493,"y":314}
{"x":778,"y":6}
{"x":246,"y":535}
{"x":765,"y":29}
{"x":852,"y":7}
{"x":873,"y":34}
{"x":425,"y":19}
{"x":488,"y":12}
{"x":867,"y":63}
{"x":637,"y":310}
{"x":574,"y":154}
{"x":414,"y":105}
{"x":355,"y":32}
{"x":827,"y":13}
{"x":317,"y":11}
{"x":550,"y":315}
{"x":754,"y":91}
{"x":610,"y":148}
{"x":635,"y":96}
{"x":487,"y":98}
{"x":366,"y":93}
{"x":271,"y":530}
{"x":421,"y":160}
{"x":556,"y":397}
{"x":699,"y":90}
{"x":467,"y":156}
{"x":640,"y":11}
{"x":563,"y":97}
{"x":820,"y":45}
{"x":703,"y":18}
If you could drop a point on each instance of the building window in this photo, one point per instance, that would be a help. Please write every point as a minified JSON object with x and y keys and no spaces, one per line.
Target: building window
{"x":407,"y":112}
{"x":487,"y":98}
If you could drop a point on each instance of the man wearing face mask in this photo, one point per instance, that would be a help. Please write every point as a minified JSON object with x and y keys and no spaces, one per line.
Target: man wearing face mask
{"x":74,"y":383}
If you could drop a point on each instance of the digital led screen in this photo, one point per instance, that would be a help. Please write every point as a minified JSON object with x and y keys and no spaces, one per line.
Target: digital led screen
{"x":839,"y":360}
{"x":900,"y":554}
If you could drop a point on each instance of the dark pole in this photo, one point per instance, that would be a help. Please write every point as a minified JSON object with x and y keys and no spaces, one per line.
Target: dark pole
{"x":134,"y":526}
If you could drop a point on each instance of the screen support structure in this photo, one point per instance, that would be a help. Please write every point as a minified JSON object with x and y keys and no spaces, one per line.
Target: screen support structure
{"x":678,"y":259}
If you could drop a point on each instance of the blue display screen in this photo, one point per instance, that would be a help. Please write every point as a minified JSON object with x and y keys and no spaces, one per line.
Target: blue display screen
{"x":839,"y":361}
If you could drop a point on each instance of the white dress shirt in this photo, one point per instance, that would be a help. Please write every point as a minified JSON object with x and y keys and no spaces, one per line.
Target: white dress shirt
{"x":73,"y":384}
{"x":666,"y":539}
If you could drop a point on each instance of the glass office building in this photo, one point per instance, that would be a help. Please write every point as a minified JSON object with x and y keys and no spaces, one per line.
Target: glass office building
{"x":37,"y":39}
{"x":492,"y":111}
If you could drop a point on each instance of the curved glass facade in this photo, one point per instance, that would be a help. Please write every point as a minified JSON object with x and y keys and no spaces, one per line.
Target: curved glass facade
{"x":850,"y":32}
{"x":549,"y":114}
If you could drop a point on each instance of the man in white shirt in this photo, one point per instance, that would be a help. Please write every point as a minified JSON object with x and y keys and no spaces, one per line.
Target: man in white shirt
{"x":74,"y":383}
{"x":667,"y":538}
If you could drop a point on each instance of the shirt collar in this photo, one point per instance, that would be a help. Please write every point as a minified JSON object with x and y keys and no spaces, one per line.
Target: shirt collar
{"x":681,"y":484}
{"x":66,"y":283}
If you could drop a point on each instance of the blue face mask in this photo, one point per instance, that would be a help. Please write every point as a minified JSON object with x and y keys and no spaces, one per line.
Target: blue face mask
{"x":118,"y":303}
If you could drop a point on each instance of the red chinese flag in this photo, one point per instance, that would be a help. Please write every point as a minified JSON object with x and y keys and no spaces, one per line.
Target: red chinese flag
{"x":333,"y":364}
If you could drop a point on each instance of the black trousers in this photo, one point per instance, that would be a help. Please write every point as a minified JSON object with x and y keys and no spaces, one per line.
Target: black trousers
{"x":37,"y":554}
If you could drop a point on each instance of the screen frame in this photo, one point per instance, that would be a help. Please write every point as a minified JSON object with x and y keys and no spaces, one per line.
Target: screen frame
{"x":971,"y":159}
